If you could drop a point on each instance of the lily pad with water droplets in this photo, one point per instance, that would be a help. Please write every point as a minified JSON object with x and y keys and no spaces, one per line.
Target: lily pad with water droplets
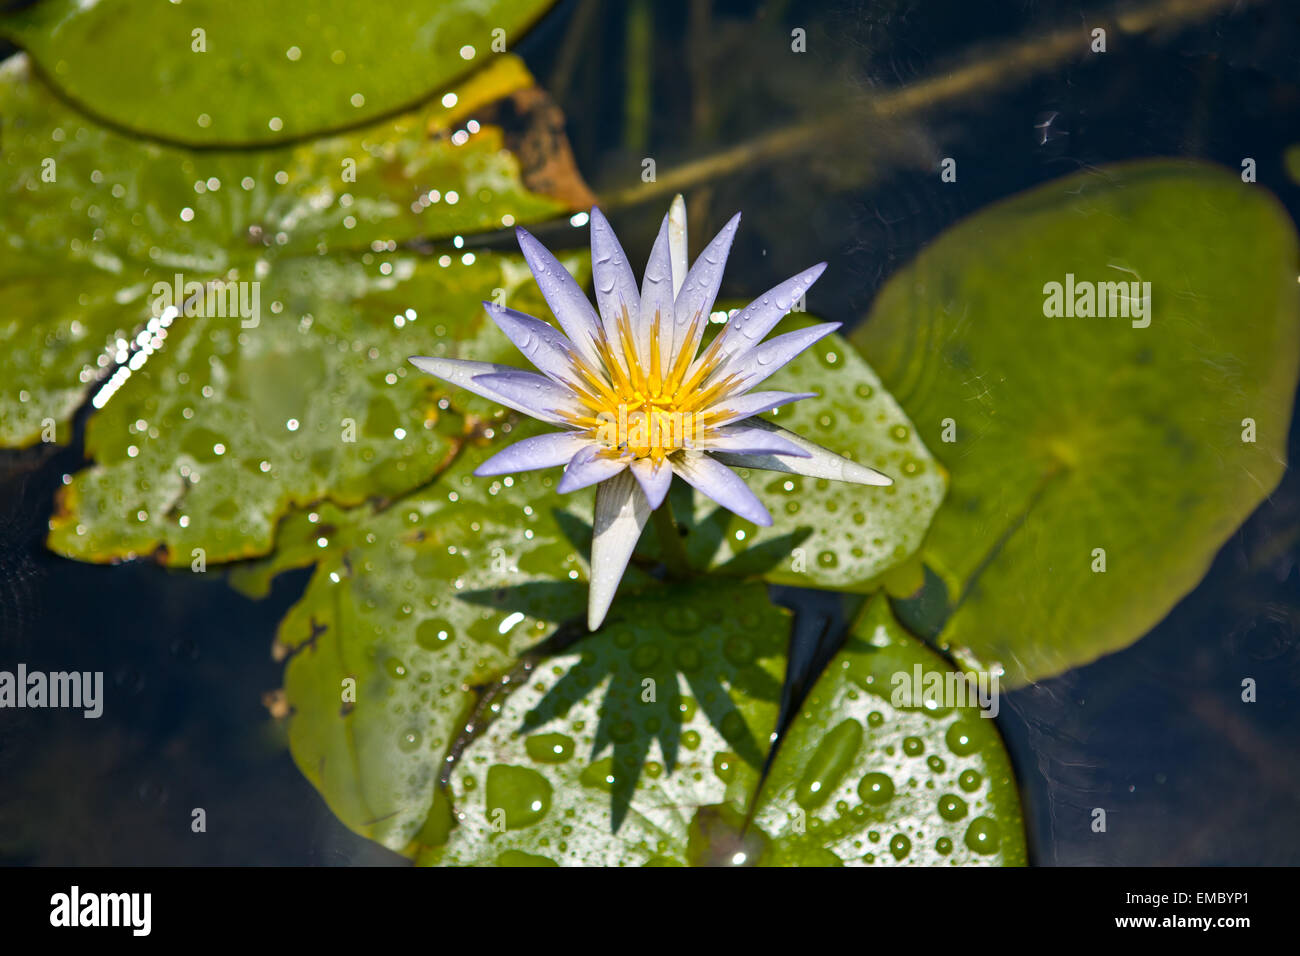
{"x":209,"y":72}
{"x":92,"y":219}
{"x":225,"y":429}
{"x":824,"y":533}
{"x":419,"y":603}
{"x":605,"y":753}
{"x":643,"y":745}
{"x":1097,"y":464}
{"x":869,"y":774}
{"x":297,"y":388}
{"x":300,"y":539}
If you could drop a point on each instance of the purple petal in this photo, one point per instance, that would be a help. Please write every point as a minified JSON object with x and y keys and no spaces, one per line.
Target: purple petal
{"x":701,"y":287}
{"x":611,"y":274}
{"x":656,"y":306}
{"x":654,"y":479}
{"x":744,"y":438}
{"x":754,"y":365}
{"x":737,"y":407}
{"x":564,"y":296}
{"x":722,"y":485}
{"x":751,"y":324}
{"x":530,"y":454}
{"x":818,"y":462}
{"x":621,"y":514}
{"x":540,"y":342}
{"x":535,"y":395}
{"x":590,"y":465}
{"x":466,"y":375}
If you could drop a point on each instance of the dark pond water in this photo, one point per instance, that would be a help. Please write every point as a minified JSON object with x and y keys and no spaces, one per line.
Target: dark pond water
{"x":1143,"y":732}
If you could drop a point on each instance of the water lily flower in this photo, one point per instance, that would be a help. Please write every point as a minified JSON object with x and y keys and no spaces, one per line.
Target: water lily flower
{"x":636,"y":398}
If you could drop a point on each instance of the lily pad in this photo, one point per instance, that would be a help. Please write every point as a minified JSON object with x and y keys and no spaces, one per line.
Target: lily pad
{"x":299,"y":540}
{"x":225,"y":428}
{"x":93,"y":219}
{"x":828,"y":534}
{"x":419,"y":603}
{"x":606,"y":753}
{"x":295,"y":388}
{"x":208,"y":72}
{"x":1097,"y":463}
{"x":438,"y":593}
{"x":581,"y":768}
{"x":867,"y":774}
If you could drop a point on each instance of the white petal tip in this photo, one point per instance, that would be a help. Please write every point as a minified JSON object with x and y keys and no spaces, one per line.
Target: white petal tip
{"x":598,"y":603}
{"x":862,"y":475}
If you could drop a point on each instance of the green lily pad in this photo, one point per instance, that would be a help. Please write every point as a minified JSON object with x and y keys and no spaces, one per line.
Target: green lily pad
{"x":867,"y":777}
{"x":580,"y":768}
{"x":828,"y":534}
{"x":93,"y":219}
{"x":50,"y":341}
{"x":297,"y":390}
{"x":420,"y":602}
{"x":439,"y":592}
{"x":225,"y":429}
{"x":300,"y":538}
{"x":258,"y":73}
{"x":1083,"y":443}
{"x":606,"y":753}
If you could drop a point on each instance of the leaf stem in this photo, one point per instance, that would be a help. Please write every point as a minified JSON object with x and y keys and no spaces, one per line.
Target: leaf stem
{"x":671,"y":551}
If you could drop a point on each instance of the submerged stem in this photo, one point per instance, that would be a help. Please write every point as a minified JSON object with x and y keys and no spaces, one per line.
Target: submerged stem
{"x":671,"y":551}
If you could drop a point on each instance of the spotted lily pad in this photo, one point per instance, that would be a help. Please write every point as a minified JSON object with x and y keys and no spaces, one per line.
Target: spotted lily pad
{"x":92,"y":220}
{"x":643,"y":745}
{"x":301,"y":537}
{"x":208,"y":72}
{"x":868,"y":774}
{"x":604,"y":755}
{"x":1097,"y":463}
{"x":225,"y":428}
{"x":438,"y":592}
{"x":829,"y":534}
{"x":292,"y":385}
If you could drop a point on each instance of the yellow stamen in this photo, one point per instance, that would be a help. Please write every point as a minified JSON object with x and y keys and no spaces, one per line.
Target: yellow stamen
{"x":637,"y":404}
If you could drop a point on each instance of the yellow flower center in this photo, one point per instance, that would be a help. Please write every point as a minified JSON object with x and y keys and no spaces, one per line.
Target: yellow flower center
{"x":638,"y":406}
